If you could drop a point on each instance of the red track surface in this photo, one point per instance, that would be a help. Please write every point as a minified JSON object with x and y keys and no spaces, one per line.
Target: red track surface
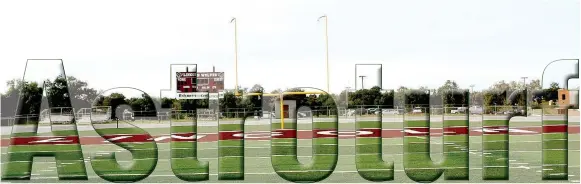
{"x":236,"y":135}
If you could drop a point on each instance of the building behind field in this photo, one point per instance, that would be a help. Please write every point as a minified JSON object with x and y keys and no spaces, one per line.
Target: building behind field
{"x":289,"y":108}
{"x":566,"y":98}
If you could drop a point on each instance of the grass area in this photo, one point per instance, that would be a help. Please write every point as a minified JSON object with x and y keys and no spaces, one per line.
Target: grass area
{"x":258,"y":165}
{"x":257,"y":161}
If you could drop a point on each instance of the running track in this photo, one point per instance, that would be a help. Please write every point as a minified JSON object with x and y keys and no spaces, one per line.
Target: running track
{"x":284,"y":133}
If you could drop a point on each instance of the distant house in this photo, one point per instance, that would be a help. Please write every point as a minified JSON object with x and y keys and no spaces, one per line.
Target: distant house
{"x":567,"y":98}
{"x":289,"y":106}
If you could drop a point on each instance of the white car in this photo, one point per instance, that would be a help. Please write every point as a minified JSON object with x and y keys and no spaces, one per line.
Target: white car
{"x":351,"y":112}
{"x":475,"y":110}
{"x":458,"y":110}
{"x":417,"y":110}
{"x":372,"y":110}
{"x":388,"y":111}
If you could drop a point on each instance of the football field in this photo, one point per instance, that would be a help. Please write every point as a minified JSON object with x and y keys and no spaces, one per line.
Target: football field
{"x":404,"y":146}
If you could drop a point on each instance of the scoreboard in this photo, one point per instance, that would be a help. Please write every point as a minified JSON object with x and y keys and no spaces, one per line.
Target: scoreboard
{"x":186,"y":82}
{"x":199,"y":85}
{"x":212,"y":82}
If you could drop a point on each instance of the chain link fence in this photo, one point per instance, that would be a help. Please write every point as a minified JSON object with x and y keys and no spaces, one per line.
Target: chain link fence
{"x":102,"y":114}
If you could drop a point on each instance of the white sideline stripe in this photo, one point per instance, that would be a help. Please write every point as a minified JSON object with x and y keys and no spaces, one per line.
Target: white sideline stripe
{"x":215,"y":148}
{"x":322,"y":154}
{"x":385,"y":144}
{"x":264,"y":173}
{"x":473,"y":168}
{"x":554,"y":164}
{"x":309,"y":146}
{"x":266,"y":157}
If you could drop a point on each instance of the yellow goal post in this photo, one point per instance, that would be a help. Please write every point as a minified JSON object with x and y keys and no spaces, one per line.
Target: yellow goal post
{"x":281,"y":99}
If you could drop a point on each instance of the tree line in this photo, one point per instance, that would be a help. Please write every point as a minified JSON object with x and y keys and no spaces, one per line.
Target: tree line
{"x":82,"y":96}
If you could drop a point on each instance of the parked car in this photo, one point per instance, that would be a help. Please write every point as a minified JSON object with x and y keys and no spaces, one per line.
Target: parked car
{"x":417,"y":110}
{"x":372,"y":110}
{"x":458,"y":110}
{"x":388,"y":111}
{"x":475,"y":110}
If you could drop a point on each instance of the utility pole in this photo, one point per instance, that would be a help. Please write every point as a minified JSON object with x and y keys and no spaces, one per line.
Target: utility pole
{"x":362,"y":76}
{"x":524,"y":82}
{"x":235,"y":53}
{"x":326,"y":48}
{"x":347,"y":97}
{"x":471,"y":93}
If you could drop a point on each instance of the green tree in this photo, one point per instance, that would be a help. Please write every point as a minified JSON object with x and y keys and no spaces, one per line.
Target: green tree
{"x":365,"y":97}
{"x":313,"y":102}
{"x":342,"y":98}
{"x":448,"y":86}
{"x":166,"y":103}
{"x":114,"y":100}
{"x":254,"y":102}
{"x":57,"y":92}
{"x":229,"y":104}
{"x":553,"y":92}
{"x":492,"y":99}
{"x":144,"y":106}
{"x":326,"y":100}
{"x":418,"y":98}
{"x":31,"y":96}
{"x":449,"y":95}
{"x":399,"y":96}
{"x":387,"y":99}
{"x":82,"y":95}
{"x":301,"y":99}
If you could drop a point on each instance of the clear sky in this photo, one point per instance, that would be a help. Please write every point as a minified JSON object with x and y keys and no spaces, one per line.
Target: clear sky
{"x":281,"y":44}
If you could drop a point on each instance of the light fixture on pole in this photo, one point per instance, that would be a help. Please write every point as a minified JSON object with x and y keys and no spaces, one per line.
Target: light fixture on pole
{"x":362,"y":77}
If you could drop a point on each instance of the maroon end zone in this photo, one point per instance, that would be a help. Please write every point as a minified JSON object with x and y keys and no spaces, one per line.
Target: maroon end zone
{"x":285,"y":133}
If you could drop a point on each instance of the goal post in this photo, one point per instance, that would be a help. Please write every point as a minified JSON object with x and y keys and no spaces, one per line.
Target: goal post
{"x":281,"y":100}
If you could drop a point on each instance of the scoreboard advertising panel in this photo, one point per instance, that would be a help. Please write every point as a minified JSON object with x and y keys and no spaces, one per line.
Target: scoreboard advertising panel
{"x":199,"y":85}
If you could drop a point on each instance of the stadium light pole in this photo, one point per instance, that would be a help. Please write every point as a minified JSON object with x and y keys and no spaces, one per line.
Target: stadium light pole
{"x":524,"y":82}
{"x":235,"y":53}
{"x":326,"y":48}
{"x":470,"y":95}
{"x":347,"y":96}
{"x":362,"y":77}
